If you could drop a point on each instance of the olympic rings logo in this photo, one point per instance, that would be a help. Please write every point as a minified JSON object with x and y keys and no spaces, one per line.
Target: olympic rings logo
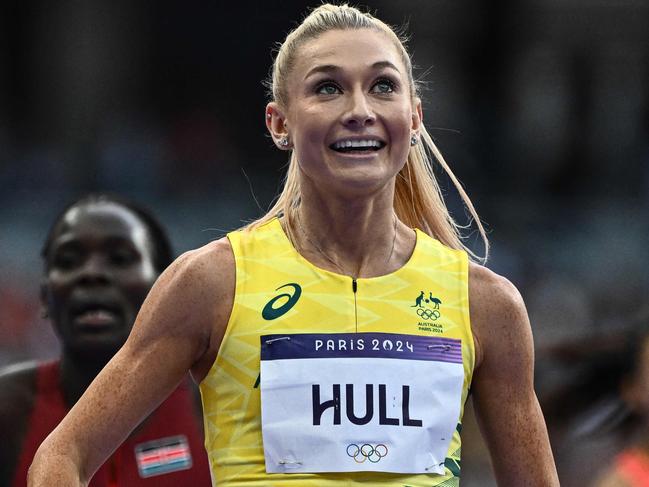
{"x":428,"y":314}
{"x":366,"y":452}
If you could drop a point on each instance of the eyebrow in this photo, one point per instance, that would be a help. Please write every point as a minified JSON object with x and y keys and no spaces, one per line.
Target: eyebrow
{"x":332,"y":68}
{"x":65,"y":241}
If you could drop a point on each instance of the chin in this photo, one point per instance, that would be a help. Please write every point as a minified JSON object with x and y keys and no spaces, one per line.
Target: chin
{"x":351,"y":180}
{"x":363,"y":182}
{"x":95,"y":349}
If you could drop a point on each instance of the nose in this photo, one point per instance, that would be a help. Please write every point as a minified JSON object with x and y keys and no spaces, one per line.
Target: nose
{"x":359,"y":112}
{"x":94,"y":271}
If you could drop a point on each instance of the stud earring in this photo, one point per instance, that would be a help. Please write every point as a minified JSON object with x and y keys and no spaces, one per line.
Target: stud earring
{"x":283,"y":142}
{"x":269,"y":116}
{"x":413,"y":139}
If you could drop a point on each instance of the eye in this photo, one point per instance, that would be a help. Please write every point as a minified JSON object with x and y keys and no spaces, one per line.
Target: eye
{"x":66,"y":258}
{"x":383,"y":86}
{"x":123,"y":257}
{"x":328,"y":88}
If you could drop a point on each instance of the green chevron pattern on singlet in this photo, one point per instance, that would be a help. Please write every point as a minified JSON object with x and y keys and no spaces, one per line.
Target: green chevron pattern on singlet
{"x":279,"y":291}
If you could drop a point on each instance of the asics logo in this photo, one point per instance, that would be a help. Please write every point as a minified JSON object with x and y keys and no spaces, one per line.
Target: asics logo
{"x":270,"y":312}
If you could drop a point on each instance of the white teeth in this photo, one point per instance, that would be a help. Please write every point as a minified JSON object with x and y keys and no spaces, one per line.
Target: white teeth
{"x":342,"y":144}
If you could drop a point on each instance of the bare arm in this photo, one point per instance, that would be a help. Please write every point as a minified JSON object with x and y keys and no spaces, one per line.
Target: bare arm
{"x":503,"y":389}
{"x":178,"y":328}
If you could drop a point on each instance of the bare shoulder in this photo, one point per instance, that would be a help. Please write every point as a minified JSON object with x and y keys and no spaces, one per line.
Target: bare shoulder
{"x":503,"y":383}
{"x":498,"y":313}
{"x":210,"y":265}
{"x":17,"y":373}
{"x":492,"y":293}
{"x":17,"y":389}
{"x":195,"y":278}
{"x":197,"y":291}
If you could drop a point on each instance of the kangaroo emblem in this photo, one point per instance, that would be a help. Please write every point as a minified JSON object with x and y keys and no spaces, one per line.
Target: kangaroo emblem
{"x":436,"y":301}
{"x":418,"y":301}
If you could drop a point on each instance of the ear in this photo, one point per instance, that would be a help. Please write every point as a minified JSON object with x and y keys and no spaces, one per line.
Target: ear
{"x":277,"y":126}
{"x":417,"y":116}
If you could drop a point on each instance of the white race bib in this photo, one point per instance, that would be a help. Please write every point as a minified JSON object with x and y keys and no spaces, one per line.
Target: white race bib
{"x":359,"y":402}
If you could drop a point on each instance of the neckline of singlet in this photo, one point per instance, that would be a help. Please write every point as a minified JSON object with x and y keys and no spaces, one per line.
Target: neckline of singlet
{"x":409,"y":262}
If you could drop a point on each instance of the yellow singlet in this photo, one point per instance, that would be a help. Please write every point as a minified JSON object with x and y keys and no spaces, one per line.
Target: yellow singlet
{"x":427,"y":296}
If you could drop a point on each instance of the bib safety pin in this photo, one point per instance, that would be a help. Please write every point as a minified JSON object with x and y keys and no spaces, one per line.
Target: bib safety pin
{"x":290,"y":464}
{"x":269,"y":342}
{"x":444,"y":348}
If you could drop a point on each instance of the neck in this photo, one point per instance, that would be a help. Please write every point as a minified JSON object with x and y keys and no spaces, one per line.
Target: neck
{"x":76,"y":375}
{"x":360,"y":237}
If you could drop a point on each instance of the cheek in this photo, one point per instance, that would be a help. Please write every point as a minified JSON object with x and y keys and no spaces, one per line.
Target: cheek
{"x":400,"y":133}
{"x":312,"y":122}
{"x":136,"y":283}
{"x":56,"y":292}
{"x":401,"y":122}
{"x":309,"y":144}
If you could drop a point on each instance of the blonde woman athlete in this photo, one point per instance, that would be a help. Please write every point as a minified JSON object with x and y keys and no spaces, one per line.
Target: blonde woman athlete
{"x":336,"y":339}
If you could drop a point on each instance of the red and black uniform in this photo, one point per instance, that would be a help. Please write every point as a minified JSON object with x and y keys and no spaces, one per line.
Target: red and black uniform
{"x":174,"y":417}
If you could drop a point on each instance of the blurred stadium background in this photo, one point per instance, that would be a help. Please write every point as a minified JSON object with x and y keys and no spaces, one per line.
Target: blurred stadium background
{"x":540,"y":106}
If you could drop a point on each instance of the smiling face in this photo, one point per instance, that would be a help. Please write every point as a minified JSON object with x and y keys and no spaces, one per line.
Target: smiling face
{"x":350,"y":113}
{"x":100,"y":267}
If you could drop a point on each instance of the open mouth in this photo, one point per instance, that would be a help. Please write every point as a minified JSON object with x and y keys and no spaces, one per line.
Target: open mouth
{"x":97,"y":316}
{"x":357,"y":146}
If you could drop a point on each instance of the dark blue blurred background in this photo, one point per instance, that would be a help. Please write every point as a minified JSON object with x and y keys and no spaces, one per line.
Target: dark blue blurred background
{"x":540,"y":106}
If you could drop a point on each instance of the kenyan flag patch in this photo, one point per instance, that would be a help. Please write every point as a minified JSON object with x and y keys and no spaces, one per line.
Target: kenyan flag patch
{"x":164,"y":455}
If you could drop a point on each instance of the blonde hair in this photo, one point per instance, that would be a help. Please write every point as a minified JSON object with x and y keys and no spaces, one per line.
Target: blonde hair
{"x":418,"y":200}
